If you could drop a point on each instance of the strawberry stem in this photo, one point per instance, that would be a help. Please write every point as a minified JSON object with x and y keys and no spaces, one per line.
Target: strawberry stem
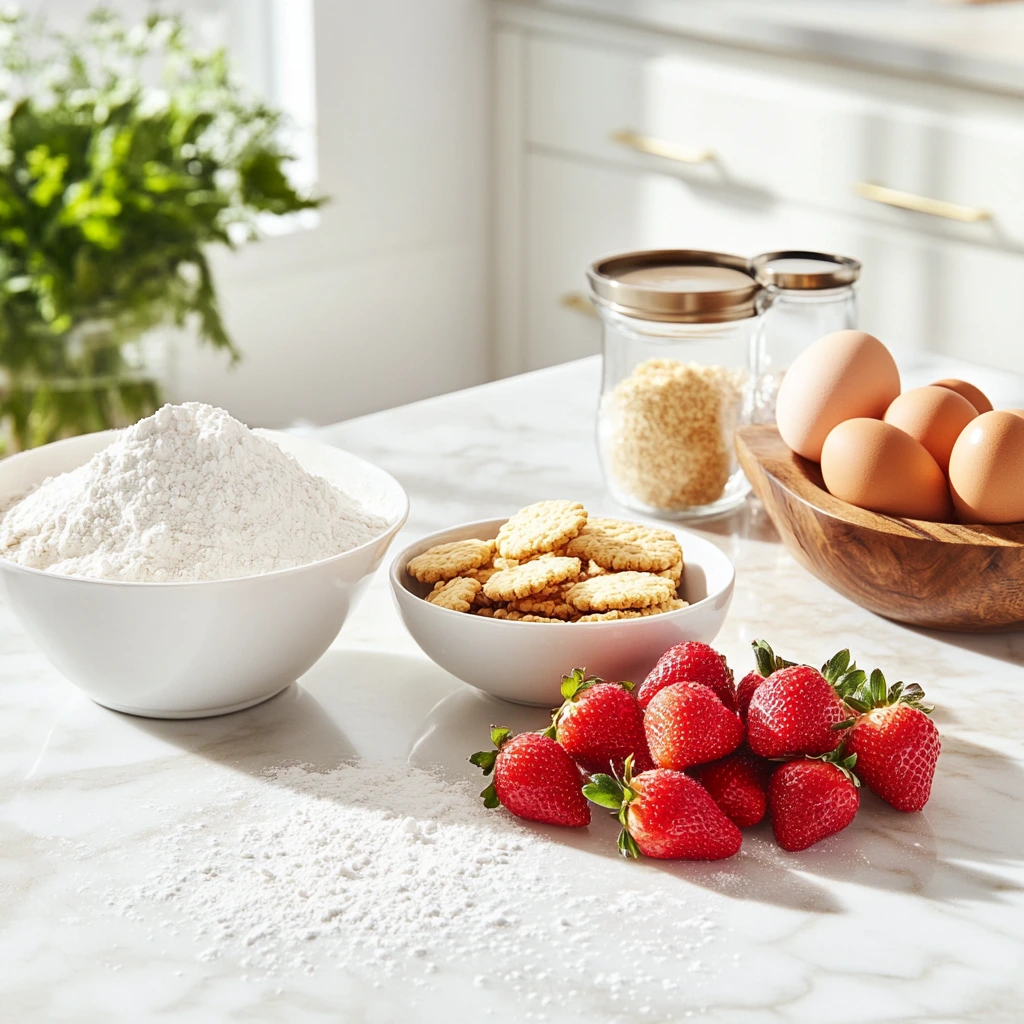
{"x":486,"y":759}
{"x":767,"y":660}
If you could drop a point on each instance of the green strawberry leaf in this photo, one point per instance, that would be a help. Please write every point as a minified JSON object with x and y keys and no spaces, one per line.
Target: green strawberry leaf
{"x":627,"y":685}
{"x":484,"y":759}
{"x":836,"y":667}
{"x":605,"y":791}
{"x":573,"y":683}
{"x":627,"y":845}
{"x":490,"y":795}
{"x":878,"y":689}
{"x":500,"y":736}
{"x":767,"y":660}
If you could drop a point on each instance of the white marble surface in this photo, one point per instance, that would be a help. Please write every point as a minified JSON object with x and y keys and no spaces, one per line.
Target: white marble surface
{"x":900,"y":918}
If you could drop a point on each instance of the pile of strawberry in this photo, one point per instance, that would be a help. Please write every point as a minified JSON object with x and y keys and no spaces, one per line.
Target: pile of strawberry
{"x":690,"y":758}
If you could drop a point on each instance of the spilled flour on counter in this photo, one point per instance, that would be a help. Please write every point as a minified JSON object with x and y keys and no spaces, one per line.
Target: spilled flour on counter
{"x":188,"y":493}
{"x":392,"y":871}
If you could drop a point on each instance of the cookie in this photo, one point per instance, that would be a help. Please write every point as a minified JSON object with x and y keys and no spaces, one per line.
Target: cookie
{"x":672,"y":605}
{"x":514,"y":616}
{"x":673,"y":572}
{"x":620,"y":590}
{"x":531,"y":578}
{"x":626,"y":547}
{"x":446,"y":561}
{"x":456,"y":594}
{"x":505,"y":563}
{"x":486,"y":612}
{"x":541,"y":527}
{"x":481,"y":575}
{"x":549,"y":607}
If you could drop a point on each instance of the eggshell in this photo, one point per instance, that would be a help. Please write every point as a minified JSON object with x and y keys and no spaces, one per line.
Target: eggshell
{"x":935,"y":416}
{"x":1016,"y":412}
{"x":844,"y":375}
{"x":877,"y":466}
{"x":986,"y":469}
{"x":973,"y":395}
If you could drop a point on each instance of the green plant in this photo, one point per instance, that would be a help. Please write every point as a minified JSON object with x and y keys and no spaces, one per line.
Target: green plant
{"x":124,"y":153}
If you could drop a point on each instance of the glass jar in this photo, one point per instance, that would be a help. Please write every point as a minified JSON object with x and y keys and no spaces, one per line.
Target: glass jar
{"x":679,"y":350}
{"x":806,"y":296}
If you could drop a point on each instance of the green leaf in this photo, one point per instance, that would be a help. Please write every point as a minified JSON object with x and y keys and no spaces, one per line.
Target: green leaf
{"x":627,"y":685}
{"x":836,"y":666}
{"x":627,"y":845}
{"x":574,"y":683}
{"x":605,"y":791}
{"x":500,"y":735}
{"x":877,"y":687}
{"x":490,"y":795}
{"x":484,"y":759}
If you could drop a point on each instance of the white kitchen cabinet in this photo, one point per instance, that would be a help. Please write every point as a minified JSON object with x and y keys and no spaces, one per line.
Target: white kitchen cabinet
{"x":929,"y":294}
{"x":761,"y":155}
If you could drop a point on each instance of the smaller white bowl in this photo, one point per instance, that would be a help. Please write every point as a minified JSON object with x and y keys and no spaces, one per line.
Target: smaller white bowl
{"x":524,"y":662}
{"x":189,"y":650}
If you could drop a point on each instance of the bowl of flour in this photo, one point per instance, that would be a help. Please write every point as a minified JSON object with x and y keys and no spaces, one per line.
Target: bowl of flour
{"x":188,"y":566}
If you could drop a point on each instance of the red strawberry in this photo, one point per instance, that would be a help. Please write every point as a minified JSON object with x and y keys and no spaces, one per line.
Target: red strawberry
{"x":812,"y":799}
{"x":690,"y":662}
{"x":738,"y":784}
{"x":600,"y":724}
{"x":794,"y":711}
{"x":686,"y":724}
{"x":767,"y":663}
{"x":534,"y":778}
{"x":665,"y":814}
{"x":896,"y":743}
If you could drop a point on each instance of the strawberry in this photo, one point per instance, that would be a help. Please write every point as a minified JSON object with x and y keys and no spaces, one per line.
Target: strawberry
{"x":686,"y":724}
{"x":600,"y":724}
{"x":690,"y":662}
{"x":738,"y":783}
{"x":665,"y":814}
{"x":896,"y":743}
{"x":796,"y":709}
{"x":534,"y":778}
{"x":767,"y":663}
{"x":811,"y":799}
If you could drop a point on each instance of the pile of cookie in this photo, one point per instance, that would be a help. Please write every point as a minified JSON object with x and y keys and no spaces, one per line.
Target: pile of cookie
{"x":551,"y":562}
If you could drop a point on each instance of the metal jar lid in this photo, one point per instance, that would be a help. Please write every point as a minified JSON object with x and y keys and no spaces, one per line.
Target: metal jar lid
{"x":686,"y":286}
{"x":796,"y":270}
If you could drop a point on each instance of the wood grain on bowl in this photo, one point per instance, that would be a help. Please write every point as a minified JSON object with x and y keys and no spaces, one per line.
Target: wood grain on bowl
{"x":941,"y":575}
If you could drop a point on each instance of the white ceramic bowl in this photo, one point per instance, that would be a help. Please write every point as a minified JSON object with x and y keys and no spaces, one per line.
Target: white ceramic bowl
{"x":525,"y":661}
{"x":188,"y":650}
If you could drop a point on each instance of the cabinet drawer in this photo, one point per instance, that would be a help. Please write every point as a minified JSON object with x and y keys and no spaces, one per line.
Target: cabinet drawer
{"x":923,"y":293}
{"x":772,"y":137}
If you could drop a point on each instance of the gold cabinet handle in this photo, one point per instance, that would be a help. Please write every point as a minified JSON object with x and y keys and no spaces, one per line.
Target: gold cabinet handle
{"x":578,"y":303}
{"x":920,"y":204}
{"x":659,"y":147}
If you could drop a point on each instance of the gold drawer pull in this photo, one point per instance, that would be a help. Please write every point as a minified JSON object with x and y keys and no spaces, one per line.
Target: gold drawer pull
{"x":920,"y":204}
{"x":659,"y":147}
{"x":578,"y":303}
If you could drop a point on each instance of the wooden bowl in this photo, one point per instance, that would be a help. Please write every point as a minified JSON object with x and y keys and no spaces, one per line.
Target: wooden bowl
{"x":942,"y":575}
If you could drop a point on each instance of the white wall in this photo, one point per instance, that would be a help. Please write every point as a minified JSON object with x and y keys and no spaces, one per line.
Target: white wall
{"x":384,"y":301}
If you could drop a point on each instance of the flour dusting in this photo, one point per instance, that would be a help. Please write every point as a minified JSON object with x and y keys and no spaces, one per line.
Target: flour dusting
{"x":186,"y":494}
{"x":393,"y":871}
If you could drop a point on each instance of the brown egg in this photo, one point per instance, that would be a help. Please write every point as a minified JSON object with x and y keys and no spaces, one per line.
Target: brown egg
{"x":973,"y":395}
{"x":844,"y":375}
{"x":986,"y":469}
{"x":1016,"y":412}
{"x":879,"y":467}
{"x":934,"y":416}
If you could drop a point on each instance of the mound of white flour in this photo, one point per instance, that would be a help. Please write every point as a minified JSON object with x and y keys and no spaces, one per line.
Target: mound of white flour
{"x":187,"y":494}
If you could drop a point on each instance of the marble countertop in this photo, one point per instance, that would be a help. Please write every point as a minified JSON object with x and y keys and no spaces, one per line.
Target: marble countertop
{"x":980,"y":45}
{"x":899,"y":918}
